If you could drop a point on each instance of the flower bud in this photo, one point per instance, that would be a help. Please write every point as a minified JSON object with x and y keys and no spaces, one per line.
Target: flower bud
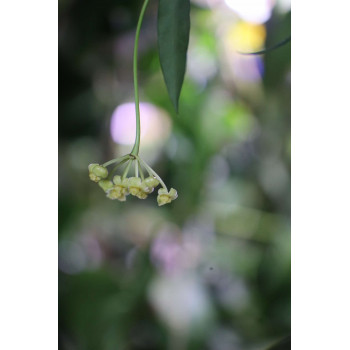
{"x":151,"y":182}
{"x":92,"y":176}
{"x":91,"y":166}
{"x":97,"y":172}
{"x":148,"y":184}
{"x":105,"y":184}
{"x":100,"y":171}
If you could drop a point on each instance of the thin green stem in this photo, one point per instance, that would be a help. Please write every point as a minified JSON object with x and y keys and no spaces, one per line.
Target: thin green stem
{"x":116,"y":160}
{"x":141,"y":172}
{"x":135,"y":150}
{"x":115,"y":168}
{"x":151,"y":172}
{"x":136,"y":168}
{"x":125,"y":173}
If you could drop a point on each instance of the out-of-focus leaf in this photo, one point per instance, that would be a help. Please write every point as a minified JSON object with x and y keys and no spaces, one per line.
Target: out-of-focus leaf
{"x":274,"y":47}
{"x":173,"y":37}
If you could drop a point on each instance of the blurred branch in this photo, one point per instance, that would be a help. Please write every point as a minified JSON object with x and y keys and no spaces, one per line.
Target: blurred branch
{"x":280,"y":44}
{"x":242,"y":239}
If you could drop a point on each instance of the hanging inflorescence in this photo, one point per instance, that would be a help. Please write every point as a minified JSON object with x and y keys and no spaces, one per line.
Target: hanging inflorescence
{"x":118,"y":187}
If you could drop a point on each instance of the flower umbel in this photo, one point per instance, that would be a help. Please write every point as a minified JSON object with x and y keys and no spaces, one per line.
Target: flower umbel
{"x":137,"y":186}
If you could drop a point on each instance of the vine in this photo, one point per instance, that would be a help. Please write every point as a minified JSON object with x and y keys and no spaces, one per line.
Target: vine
{"x":172,"y":43}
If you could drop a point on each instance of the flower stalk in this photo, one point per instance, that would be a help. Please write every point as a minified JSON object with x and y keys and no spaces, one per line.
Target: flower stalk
{"x":122,"y":186}
{"x":136,"y":148}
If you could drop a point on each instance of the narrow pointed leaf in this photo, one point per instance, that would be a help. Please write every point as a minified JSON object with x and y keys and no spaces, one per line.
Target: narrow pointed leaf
{"x":173,"y":37}
{"x":280,"y":44}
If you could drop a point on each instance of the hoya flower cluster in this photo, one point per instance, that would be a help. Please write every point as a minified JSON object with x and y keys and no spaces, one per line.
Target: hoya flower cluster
{"x":119,"y":187}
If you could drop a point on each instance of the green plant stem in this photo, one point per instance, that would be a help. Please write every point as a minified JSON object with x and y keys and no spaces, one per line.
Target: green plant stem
{"x":125,"y":173}
{"x":135,"y":150}
{"x":136,"y":168}
{"x":110,"y":176}
{"x":120,"y":159}
{"x":151,"y":172}
{"x":141,"y":172}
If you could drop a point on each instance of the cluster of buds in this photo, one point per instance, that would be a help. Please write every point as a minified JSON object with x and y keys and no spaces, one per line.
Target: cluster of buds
{"x":118,"y":187}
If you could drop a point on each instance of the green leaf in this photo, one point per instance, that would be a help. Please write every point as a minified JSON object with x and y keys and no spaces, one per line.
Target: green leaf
{"x":280,"y":44}
{"x":173,"y":37}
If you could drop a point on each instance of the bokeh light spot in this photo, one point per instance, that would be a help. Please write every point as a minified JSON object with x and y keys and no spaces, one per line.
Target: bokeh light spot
{"x":255,"y":11}
{"x":155,"y":124}
{"x":247,"y":37}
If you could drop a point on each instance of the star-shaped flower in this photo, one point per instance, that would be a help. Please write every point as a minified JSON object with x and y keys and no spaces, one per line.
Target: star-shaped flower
{"x":119,"y":190}
{"x":165,"y":197}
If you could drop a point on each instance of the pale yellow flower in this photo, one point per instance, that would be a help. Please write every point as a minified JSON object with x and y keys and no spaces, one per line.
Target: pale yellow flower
{"x":115,"y":193}
{"x":149,"y":183}
{"x":165,"y":197}
{"x":119,"y":190}
{"x":140,"y":188}
{"x":134,"y":184}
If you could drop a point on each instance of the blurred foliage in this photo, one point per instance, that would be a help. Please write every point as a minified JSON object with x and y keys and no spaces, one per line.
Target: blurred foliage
{"x":211,"y":270}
